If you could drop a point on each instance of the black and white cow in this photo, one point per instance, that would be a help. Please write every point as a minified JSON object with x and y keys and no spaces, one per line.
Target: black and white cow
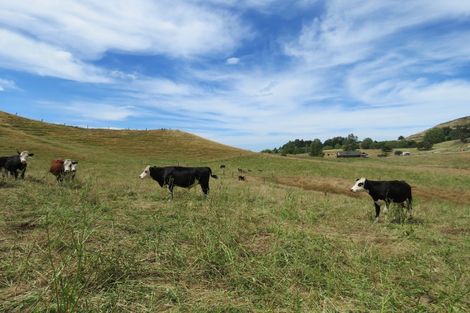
{"x":395,"y":191}
{"x":15,"y":164}
{"x":180,"y":176}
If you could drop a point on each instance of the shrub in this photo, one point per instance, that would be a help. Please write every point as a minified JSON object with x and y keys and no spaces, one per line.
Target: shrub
{"x":386,"y":147}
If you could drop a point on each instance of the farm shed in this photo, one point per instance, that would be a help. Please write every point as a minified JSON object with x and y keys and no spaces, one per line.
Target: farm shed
{"x":351,"y":154}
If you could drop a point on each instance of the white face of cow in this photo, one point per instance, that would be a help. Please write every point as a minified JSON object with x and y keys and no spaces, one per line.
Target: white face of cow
{"x":359,"y":185}
{"x":146,"y":172}
{"x":70,"y":166}
{"x":24,"y":156}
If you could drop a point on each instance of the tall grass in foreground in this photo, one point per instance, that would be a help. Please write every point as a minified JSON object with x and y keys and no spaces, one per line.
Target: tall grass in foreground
{"x":115,"y":243}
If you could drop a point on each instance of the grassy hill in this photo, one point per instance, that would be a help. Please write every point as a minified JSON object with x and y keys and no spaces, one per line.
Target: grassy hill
{"x":291,"y":238}
{"x":53,"y":141}
{"x":463,"y":121}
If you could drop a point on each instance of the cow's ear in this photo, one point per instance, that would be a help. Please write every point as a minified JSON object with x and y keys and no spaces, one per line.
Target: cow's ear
{"x":18,"y":152}
{"x":357,"y":179}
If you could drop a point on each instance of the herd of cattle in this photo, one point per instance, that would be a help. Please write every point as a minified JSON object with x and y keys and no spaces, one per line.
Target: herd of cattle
{"x":386,"y":192}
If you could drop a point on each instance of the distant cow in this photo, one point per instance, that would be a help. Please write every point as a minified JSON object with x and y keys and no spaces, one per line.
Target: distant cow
{"x":16,"y":163}
{"x":240,"y":170}
{"x":222,"y":166}
{"x":241,"y":178}
{"x":388,"y":191}
{"x":63,"y":169}
{"x":180,"y":176}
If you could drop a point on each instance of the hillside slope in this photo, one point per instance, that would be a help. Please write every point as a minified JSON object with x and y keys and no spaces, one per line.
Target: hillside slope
{"x":463,"y":121}
{"x":55,"y":141}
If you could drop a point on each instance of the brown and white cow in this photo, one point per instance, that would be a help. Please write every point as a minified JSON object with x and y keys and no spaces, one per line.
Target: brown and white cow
{"x":63,"y":169}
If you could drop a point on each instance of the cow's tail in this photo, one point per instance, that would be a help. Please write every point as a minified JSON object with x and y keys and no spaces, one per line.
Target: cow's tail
{"x":409,"y":206}
{"x":213,"y":175}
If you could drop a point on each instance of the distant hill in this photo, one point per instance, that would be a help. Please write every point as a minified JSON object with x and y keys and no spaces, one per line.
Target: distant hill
{"x":54,"y":141}
{"x":463,"y":121}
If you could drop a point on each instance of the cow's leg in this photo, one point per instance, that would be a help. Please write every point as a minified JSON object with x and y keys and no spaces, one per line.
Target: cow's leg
{"x":386,"y":207}
{"x":171,"y":186}
{"x":409,"y":208}
{"x":23,"y":171}
{"x":377,"y":211}
{"x":205,"y":189}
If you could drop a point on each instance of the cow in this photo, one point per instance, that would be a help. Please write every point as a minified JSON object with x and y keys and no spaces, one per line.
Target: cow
{"x":241,"y":178}
{"x":16,"y":163}
{"x":180,"y":176}
{"x":395,"y":191}
{"x":63,"y":169}
{"x":240,"y":170}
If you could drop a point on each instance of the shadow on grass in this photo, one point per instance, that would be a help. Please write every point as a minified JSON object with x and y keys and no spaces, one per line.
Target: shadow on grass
{"x":36,"y":180}
{"x":5,"y":184}
{"x":24,"y":226}
{"x":412,"y":221}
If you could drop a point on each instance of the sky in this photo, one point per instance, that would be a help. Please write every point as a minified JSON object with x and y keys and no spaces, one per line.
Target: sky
{"x":248,"y":73}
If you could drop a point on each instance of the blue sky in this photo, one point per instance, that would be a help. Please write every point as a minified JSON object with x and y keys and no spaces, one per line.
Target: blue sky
{"x":250,"y":73}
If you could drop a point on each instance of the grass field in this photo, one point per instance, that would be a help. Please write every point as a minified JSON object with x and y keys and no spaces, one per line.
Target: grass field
{"x":292,"y":238}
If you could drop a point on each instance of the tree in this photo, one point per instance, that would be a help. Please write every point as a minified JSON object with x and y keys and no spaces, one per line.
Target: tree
{"x":316,"y":148}
{"x":424,"y":145}
{"x":350,"y":144}
{"x":435,"y":135}
{"x":335,"y":142}
{"x":401,"y":138}
{"x":367,"y":143}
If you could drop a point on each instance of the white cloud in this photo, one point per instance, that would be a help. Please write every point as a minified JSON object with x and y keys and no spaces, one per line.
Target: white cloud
{"x":233,"y":61}
{"x":90,"y":28}
{"x":90,"y":111}
{"x":59,"y":39}
{"x":263,"y":6}
{"x":7,"y":84}
{"x":22,"y":53}
{"x":350,"y":31}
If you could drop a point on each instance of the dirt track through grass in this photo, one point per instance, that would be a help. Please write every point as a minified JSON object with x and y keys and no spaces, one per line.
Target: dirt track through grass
{"x":341,"y":187}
